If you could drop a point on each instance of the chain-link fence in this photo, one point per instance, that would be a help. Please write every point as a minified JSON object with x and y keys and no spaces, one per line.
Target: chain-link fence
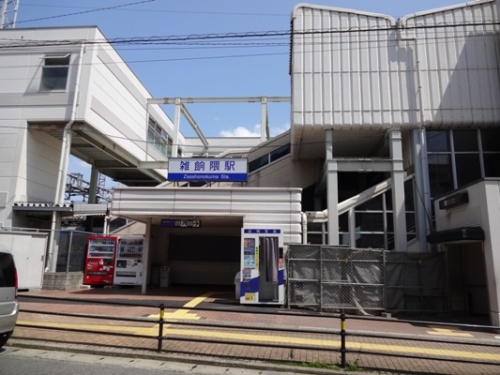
{"x":326,"y":277}
{"x":72,"y":250}
{"x":362,"y":280}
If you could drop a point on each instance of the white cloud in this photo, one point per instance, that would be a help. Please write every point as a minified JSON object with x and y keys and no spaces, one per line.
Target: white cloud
{"x":241,"y":131}
{"x":280,"y":129}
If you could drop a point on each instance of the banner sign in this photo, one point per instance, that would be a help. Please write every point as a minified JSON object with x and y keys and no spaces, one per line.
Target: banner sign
{"x":207,"y":169}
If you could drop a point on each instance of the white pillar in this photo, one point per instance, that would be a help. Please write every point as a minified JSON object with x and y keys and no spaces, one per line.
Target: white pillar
{"x":145,"y":256}
{"x":488,"y":200}
{"x":177,"y":127}
{"x":332,"y":202}
{"x":332,"y":190}
{"x":421,"y":187}
{"x":264,"y":122}
{"x":398,"y":190}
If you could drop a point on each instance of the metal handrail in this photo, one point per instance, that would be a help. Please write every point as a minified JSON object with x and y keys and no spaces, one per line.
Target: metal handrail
{"x":343,"y":333}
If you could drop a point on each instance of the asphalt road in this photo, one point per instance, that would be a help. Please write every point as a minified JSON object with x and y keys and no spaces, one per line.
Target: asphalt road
{"x":22,"y":361}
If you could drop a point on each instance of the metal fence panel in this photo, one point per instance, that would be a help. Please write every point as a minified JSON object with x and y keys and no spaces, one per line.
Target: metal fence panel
{"x":335,"y":277}
{"x":341,"y":278}
{"x":72,"y":251}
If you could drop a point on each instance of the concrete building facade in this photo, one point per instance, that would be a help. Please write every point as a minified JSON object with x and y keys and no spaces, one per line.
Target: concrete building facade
{"x":391,"y":120}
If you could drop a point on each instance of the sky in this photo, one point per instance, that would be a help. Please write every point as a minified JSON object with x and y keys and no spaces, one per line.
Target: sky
{"x":205,"y":67}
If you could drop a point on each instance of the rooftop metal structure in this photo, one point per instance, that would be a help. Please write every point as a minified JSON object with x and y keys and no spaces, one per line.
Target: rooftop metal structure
{"x":8,"y":13}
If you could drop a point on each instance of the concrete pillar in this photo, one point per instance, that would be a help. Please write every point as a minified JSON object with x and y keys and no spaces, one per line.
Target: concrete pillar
{"x":398,"y":190}
{"x":177,"y":127}
{"x":491,"y":217}
{"x":422,"y":187}
{"x":145,"y":256}
{"x":94,"y":176}
{"x":264,"y":121}
{"x":332,"y":190}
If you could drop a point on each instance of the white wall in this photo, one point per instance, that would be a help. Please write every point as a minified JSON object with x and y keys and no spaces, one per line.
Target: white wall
{"x":110,"y":98}
{"x":28,"y":249}
{"x":30,"y":159}
{"x":285,"y":172}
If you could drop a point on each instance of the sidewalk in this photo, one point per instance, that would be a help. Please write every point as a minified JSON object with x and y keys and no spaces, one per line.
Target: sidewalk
{"x":214,"y":309}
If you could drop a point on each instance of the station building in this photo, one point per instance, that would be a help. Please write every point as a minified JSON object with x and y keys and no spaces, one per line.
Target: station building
{"x":393,"y":145}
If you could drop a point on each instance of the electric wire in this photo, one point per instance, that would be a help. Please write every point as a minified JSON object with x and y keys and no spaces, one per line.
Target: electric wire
{"x":86,"y":11}
{"x":243,"y":14}
{"x":236,"y":35}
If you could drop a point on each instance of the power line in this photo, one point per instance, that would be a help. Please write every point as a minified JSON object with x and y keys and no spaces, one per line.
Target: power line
{"x":154,"y":40}
{"x":87,"y":11}
{"x":244,"y":14}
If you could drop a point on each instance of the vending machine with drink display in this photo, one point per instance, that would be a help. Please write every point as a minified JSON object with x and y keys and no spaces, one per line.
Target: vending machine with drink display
{"x":100,"y":263}
{"x":128,"y":269}
{"x":262,"y":274}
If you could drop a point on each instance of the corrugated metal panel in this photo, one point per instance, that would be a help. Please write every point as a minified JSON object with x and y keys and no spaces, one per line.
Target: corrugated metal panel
{"x":360,"y":70}
{"x":339,"y":69}
{"x":260,"y":207}
{"x":458,"y":63}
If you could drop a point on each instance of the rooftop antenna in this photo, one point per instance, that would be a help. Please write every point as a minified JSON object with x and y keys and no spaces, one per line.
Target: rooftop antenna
{"x":8,"y":13}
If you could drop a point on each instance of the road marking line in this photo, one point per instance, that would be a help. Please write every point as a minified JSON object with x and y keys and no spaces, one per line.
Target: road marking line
{"x":248,"y":337}
{"x":182,"y":313}
{"x":252,"y":337}
{"x":448,"y":332}
{"x":177,"y":315}
{"x":195,"y":302}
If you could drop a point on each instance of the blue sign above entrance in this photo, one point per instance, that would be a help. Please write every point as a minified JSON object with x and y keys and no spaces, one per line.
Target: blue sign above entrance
{"x":180,"y":223}
{"x":206,"y":169}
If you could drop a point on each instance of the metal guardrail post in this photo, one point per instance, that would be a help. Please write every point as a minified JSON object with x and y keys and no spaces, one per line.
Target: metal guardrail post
{"x":160,"y":327}
{"x":343,"y":335}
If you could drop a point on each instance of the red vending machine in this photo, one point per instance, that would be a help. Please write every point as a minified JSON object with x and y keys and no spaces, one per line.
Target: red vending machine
{"x":100,"y":262}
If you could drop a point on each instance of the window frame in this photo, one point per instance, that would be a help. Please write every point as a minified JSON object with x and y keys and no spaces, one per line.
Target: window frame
{"x":158,"y":137}
{"x":453,"y":154}
{"x":44,"y":86}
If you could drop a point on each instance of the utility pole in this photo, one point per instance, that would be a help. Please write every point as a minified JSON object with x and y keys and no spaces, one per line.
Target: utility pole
{"x":8,"y":13}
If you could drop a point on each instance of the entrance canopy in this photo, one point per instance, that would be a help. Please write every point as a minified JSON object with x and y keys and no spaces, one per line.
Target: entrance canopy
{"x":278,"y":208}
{"x":207,"y":211}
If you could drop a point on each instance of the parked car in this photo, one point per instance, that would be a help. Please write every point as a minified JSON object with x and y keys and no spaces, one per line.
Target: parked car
{"x":9,"y":306}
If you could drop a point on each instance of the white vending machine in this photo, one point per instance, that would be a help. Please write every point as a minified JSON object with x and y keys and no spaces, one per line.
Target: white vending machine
{"x":129,"y":267}
{"x":262,"y":274}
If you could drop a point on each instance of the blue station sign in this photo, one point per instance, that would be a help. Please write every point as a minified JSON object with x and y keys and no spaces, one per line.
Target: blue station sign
{"x":180,"y":223}
{"x":207,"y":169}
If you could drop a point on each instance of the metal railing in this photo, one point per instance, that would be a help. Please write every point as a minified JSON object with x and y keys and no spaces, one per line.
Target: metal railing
{"x":343,"y":345}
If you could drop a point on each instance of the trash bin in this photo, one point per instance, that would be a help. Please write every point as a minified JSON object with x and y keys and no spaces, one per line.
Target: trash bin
{"x":164,"y":277}
{"x":237,"y":282}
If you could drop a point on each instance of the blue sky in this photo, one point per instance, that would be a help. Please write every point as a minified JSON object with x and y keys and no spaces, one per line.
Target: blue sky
{"x":258,"y":67}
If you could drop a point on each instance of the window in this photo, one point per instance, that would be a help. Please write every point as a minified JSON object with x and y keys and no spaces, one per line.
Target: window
{"x":271,"y":157}
{"x":158,"y":137}
{"x":461,"y":156}
{"x":491,"y":152}
{"x":467,"y":163}
{"x":280,"y":152}
{"x":55,"y":73}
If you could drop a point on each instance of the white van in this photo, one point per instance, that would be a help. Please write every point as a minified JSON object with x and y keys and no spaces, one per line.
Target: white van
{"x":9,"y":307}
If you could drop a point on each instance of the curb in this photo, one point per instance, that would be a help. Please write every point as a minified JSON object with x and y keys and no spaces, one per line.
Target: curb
{"x":183,"y":358}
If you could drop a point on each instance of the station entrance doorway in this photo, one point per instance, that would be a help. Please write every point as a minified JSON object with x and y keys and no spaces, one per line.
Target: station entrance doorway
{"x":204,"y":254}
